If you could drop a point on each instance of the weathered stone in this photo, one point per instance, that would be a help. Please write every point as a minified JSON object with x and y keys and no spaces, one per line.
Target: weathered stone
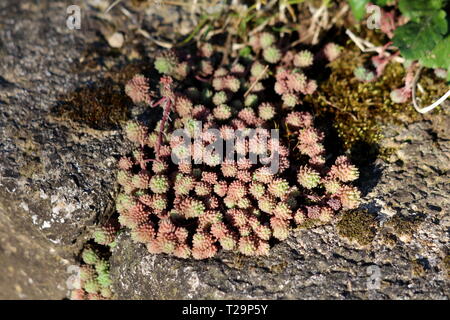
{"x":57,"y":172}
{"x":56,"y":176}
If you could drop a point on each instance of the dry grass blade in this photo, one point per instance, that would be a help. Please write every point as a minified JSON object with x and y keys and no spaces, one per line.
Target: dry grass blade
{"x":256,"y":81}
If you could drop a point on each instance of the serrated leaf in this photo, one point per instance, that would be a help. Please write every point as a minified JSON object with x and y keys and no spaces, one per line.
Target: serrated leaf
{"x":417,"y":9}
{"x":416,"y":39}
{"x":439,"y":57}
{"x":358,"y":8}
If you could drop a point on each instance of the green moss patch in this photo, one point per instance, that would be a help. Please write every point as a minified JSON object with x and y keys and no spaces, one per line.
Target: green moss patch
{"x":358,"y":109}
{"x":404,"y":226}
{"x":358,"y":226}
{"x":358,"y":106}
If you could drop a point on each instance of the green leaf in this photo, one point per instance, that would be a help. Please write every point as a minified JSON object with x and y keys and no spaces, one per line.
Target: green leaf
{"x":417,"y":9}
{"x":358,"y":8}
{"x":439,"y":57}
{"x":381,"y":3}
{"x":245,"y":52}
{"x":416,"y":39}
{"x":295,"y":1}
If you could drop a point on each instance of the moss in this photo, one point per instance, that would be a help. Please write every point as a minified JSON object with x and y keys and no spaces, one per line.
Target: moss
{"x":434,"y":88}
{"x":310,"y":223}
{"x":389,"y":239}
{"x":404,"y":226}
{"x":357,"y":107}
{"x":99,"y":106}
{"x":358,"y":226}
{"x":447,"y":265}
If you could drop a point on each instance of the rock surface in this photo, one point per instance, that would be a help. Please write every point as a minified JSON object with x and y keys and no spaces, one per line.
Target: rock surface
{"x":57,"y":175}
{"x":57,"y":180}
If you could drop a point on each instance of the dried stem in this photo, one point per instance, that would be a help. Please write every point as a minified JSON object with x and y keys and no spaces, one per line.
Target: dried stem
{"x":414,"y":98}
{"x":256,"y":81}
{"x":367,"y":46}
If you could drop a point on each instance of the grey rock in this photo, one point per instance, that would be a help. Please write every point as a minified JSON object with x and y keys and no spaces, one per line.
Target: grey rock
{"x":56,"y":177}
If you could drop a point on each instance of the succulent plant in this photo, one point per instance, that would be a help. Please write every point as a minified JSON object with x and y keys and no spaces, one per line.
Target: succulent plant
{"x":105,"y":234}
{"x":195,"y":208}
{"x":272,"y":54}
{"x":303,"y":59}
{"x":365,"y":75}
{"x":90,"y":256}
{"x":332,"y":51}
{"x":138,"y":89}
{"x":168,"y":63}
{"x":94,"y":274}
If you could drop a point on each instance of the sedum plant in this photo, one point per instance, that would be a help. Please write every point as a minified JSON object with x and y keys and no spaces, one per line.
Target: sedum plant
{"x":94,"y":278}
{"x":196,"y":208}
